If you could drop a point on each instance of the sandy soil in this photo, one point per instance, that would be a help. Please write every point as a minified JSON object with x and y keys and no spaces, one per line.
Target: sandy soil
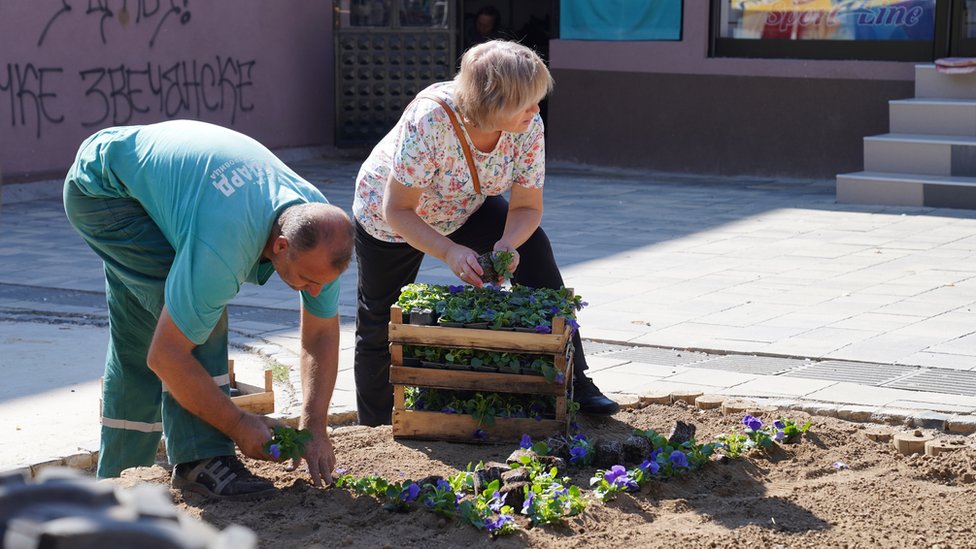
{"x":794,"y":497}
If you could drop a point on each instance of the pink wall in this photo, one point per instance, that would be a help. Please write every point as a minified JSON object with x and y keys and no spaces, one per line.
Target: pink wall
{"x":690,"y":56}
{"x":71,"y":67}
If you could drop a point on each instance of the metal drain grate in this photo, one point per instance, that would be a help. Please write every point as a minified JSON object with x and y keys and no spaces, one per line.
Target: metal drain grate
{"x":748,"y":364}
{"x":863,"y":373}
{"x":957,"y":382}
{"x":661,"y":357}
{"x":598,"y":347}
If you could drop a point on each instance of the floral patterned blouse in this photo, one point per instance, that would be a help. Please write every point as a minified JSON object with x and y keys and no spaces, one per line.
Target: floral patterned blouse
{"x":423,"y":151}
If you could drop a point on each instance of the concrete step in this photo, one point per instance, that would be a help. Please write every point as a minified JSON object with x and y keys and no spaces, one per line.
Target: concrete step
{"x":933,"y":116}
{"x":907,"y":189}
{"x":930,"y":83}
{"x":921,"y":154}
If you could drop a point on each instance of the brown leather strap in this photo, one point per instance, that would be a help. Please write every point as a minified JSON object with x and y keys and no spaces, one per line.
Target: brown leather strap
{"x":460,"y":135}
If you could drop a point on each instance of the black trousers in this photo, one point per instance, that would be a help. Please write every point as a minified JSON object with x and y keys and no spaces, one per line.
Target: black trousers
{"x":385,"y":267}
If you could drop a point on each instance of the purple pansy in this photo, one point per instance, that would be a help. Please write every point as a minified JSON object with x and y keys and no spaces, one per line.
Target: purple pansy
{"x":752,"y":423}
{"x":650,"y":467}
{"x":497,"y":501}
{"x":410,"y":493}
{"x":480,"y":434}
{"x":493,"y":525}
{"x":526,"y":442}
{"x":577,"y":454}
{"x":455,"y":289}
{"x":275,"y":451}
{"x":779,"y":425}
{"x":542,"y":329}
{"x":678,"y":459}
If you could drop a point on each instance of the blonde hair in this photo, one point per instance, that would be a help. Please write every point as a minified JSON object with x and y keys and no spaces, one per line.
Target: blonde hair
{"x":499,"y":77}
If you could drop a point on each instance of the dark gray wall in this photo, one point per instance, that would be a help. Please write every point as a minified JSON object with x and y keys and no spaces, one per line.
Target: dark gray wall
{"x":717,"y":124}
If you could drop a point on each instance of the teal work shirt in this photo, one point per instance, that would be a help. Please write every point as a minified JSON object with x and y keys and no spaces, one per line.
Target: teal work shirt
{"x":215,"y":194}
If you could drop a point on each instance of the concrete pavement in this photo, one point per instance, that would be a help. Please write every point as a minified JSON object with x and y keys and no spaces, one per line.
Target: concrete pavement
{"x":737,"y":286}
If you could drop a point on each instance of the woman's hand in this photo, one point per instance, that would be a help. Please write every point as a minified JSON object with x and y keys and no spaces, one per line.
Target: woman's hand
{"x":463,"y":261}
{"x":505,"y":247}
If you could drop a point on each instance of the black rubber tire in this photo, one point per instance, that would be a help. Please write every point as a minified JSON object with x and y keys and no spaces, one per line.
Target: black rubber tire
{"x":63,"y":509}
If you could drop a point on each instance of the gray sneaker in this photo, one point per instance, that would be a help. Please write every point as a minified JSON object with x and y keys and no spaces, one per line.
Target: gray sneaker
{"x":223,"y":477}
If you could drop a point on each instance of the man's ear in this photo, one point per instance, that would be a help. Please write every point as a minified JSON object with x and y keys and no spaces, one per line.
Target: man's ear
{"x":280,"y":245}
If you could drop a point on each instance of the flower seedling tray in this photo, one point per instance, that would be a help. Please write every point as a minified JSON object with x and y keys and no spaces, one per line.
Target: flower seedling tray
{"x":460,"y":427}
{"x":258,"y":400}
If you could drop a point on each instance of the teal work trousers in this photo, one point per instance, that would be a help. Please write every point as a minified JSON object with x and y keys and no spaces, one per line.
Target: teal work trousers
{"x":136,"y":408}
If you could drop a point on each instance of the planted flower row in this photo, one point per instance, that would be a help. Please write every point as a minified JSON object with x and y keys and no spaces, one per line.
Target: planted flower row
{"x":543,"y":496}
{"x":494,"y":307}
{"x":482,"y":361}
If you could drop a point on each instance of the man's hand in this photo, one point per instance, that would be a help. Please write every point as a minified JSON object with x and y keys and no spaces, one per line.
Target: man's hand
{"x":320,"y":457}
{"x":251,"y":434}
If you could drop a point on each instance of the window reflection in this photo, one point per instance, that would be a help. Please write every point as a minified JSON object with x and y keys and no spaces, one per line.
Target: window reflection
{"x":423,"y":13}
{"x":830,"y":19}
{"x":364,"y":13}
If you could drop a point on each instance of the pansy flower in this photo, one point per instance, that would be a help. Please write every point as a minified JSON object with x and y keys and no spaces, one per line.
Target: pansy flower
{"x":493,"y":525}
{"x":678,"y":459}
{"x":497,"y":501}
{"x":410,"y":493}
{"x":275,"y":451}
{"x":752,"y":423}
{"x":650,"y":467}
{"x":526,"y":442}
{"x":577,"y":454}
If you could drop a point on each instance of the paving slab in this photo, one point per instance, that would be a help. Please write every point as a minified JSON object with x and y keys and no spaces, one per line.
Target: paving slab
{"x":767,"y":278}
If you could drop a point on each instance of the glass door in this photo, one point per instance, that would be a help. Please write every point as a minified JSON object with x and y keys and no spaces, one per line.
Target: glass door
{"x":386,"y":52}
{"x":962,"y":42}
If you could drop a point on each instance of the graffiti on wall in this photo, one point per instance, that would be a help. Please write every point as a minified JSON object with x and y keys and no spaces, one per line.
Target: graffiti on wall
{"x":100,"y":12}
{"x":35,"y":96}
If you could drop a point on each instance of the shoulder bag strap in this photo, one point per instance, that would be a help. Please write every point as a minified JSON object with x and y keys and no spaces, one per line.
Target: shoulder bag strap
{"x":460,"y":135}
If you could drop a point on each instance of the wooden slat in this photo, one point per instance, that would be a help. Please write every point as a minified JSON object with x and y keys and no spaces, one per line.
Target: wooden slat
{"x":396,"y":354}
{"x":491,"y":340}
{"x":258,"y":403}
{"x":475,"y":381}
{"x":461,"y":428}
{"x":268,"y":382}
{"x":398,"y":398}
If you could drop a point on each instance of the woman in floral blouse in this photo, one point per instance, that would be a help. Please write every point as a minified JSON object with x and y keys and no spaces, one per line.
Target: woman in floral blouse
{"x":415,"y":195}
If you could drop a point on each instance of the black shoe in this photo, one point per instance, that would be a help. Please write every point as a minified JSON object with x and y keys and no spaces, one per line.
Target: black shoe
{"x":223,"y":477}
{"x":592,"y":402}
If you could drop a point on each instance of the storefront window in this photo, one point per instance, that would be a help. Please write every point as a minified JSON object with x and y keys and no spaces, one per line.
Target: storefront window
{"x":380,"y":13}
{"x":829,"y":19}
{"x":969,"y":19}
{"x":620,"y":20}
{"x":897,"y":30}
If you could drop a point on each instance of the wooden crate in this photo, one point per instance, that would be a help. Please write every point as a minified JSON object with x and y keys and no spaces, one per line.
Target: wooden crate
{"x":461,"y":427}
{"x":258,"y":400}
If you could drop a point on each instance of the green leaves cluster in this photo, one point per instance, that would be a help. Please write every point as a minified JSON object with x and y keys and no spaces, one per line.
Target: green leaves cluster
{"x":759,"y":435}
{"x":484,"y":407}
{"x":287,"y":442}
{"x":517,"y":307}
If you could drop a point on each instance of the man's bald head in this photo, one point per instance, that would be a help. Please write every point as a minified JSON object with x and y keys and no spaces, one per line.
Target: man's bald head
{"x":306,"y":226}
